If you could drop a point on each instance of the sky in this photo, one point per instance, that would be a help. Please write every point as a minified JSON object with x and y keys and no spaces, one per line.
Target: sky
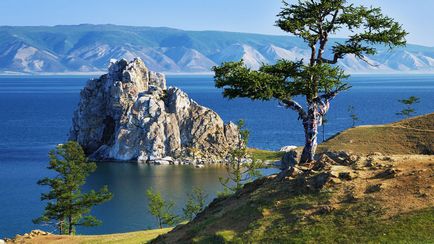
{"x":254,"y":16}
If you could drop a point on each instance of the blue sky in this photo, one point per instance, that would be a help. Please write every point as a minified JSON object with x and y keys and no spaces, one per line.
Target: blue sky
{"x":255,"y":16}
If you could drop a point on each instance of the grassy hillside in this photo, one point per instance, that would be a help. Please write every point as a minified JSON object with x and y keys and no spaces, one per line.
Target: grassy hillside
{"x":391,"y":202}
{"x":410,"y":136}
{"x":347,"y":198}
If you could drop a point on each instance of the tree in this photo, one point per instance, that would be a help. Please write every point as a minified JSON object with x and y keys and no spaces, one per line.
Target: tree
{"x":161,"y":209}
{"x":408,"y":111}
{"x":67,"y":206}
{"x":195,"y":203}
{"x":240,"y":167}
{"x":353,"y":115}
{"x":324,"y":122}
{"x":314,"y":21}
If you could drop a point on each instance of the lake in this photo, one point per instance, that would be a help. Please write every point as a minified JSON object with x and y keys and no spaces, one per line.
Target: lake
{"x":36,"y":112}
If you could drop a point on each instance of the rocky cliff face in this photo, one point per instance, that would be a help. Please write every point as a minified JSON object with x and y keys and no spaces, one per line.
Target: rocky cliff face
{"x":129,"y":114}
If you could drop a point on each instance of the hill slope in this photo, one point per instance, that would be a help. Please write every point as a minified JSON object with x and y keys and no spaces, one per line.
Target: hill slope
{"x":390,"y":201}
{"x":88,"y":48}
{"x":410,"y":136}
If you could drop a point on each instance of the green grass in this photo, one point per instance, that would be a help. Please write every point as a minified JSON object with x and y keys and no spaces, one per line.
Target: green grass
{"x":361,"y":223}
{"x":355,"y":223}
{"x":282,"y":213}
{"x":265,"y":155}
{"x":127,"y":238}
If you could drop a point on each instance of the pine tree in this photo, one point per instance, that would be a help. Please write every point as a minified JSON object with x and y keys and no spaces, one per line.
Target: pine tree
{"x":240,"y":167}
{"x":353,"y":115}
{"x":317,"y":80}
{"x":67,"y":206}
{"x":195,"y":203}
{"x":161,"y":209}
{"x":408,"y":111}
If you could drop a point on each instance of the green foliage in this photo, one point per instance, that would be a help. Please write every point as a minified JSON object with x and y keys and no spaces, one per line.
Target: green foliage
{"x":195,"y":203}
{"x":315,"y":79}
{"x":161,"y":209}
{"x":409,"y":110}
{"x":282,"y":81}
{"x":353,"y":115}
{"x":240,"y":167}
{"x":67,"y":206}
{"x":315,"y":20}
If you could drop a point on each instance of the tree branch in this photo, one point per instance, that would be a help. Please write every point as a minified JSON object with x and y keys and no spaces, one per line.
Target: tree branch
{"x":361,"y":57}
{"x":332,"y":94}
{"x":294,"y":106}
{"x":332,"y":23}
{"x":335,"y":59}
{"x":313,"y":30}
{"x":324,"y":100}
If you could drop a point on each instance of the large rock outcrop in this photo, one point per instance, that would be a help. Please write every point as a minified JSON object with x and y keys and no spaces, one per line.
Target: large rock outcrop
{"x":129,"y":114}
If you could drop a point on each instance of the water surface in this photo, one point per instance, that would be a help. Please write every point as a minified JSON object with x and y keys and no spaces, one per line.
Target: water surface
{"x":35,"y":115}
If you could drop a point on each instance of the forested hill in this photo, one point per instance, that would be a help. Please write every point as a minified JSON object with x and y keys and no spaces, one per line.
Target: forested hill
{"x":88,"y":48}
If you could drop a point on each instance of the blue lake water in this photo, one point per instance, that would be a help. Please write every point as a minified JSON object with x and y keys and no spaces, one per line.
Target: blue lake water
{"x":35,"y":115}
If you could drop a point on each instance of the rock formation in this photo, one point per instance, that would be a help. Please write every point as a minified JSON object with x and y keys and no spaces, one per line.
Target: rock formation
{"x":129,"y":114}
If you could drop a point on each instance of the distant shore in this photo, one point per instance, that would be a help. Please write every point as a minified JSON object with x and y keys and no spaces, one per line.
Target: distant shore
{"x":99,"y":73}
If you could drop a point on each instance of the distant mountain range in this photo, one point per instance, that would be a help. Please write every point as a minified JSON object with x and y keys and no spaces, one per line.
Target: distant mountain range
{"x":88,"y":48}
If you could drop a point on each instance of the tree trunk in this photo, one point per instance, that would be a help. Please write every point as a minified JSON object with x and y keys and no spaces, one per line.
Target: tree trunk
{"x":310,"y":124}
{"x":60,"y":228}
{"x":323,"y":132}
{"x":70,"y":225}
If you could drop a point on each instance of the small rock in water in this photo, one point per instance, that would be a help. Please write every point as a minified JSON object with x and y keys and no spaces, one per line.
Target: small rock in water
{"x":162,"y":161}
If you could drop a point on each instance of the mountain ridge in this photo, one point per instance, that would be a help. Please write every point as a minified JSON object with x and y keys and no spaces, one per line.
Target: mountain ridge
{"x":88,"y":48}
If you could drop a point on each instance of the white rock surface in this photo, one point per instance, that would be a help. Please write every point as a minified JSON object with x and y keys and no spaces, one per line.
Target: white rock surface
{"x":287,"y":148}
{"x":129,"y":114}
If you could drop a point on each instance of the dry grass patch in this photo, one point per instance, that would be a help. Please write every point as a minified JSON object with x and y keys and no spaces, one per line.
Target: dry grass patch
{"x":130,"y":237}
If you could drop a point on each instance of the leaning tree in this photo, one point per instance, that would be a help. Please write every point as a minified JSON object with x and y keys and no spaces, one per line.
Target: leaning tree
{"x":316,"y":79}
